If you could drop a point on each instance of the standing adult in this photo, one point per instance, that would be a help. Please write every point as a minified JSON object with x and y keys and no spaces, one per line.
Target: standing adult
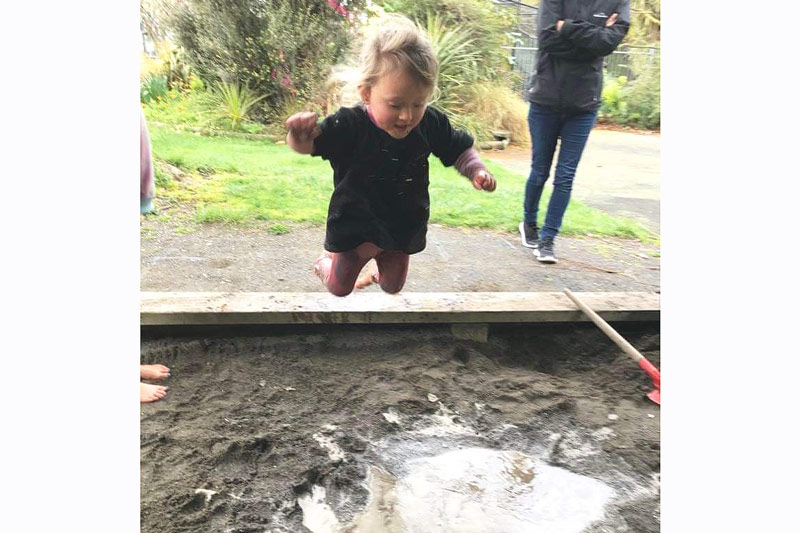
{"x":573,"y":38}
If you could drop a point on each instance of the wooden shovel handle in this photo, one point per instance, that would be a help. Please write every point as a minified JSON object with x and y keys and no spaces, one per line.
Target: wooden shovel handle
{"x":603,"y":325}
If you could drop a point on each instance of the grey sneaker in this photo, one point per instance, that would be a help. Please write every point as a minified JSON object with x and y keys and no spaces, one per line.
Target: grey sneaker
{"x":545,"y":252}
{"x":529,"y":234}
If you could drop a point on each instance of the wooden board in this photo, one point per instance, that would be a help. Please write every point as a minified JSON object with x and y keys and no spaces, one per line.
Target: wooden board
{"x":213,"y":308}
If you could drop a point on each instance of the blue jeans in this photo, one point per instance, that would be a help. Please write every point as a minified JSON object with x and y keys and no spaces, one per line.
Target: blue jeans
{"x":547,"y":125}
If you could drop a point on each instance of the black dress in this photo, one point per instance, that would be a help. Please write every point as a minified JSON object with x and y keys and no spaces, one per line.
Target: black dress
{"x":381,"y":183}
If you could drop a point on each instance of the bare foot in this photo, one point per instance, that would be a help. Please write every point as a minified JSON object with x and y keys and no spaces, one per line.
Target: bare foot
{"x":151,"y":393}
{"x":317,"y":269}
{"x":368,"y":276}
{"x":153,"y":371}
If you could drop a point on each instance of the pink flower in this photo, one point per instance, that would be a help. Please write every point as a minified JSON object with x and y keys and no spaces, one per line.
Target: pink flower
{"x":339,"y":8}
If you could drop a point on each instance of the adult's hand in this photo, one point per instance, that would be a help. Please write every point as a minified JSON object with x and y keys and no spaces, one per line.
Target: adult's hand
{"x":611,"y":20}
{"x":560,"y":24}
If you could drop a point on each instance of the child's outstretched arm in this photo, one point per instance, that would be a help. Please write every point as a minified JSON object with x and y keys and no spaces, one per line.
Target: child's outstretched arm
{"x":469,"y":164}
{"x":303,"y":129}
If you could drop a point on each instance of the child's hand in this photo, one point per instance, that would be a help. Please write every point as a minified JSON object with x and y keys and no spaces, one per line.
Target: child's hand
{"x":482,"y":180}
{"x":302,"y":125}
{"x":303,"y":129}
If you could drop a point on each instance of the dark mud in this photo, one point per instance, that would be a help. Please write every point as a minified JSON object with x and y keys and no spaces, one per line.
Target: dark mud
{"x":256,"y":418}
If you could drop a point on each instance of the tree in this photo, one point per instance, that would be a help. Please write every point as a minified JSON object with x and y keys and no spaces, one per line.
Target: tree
{"x":153,"y":15}
{"x":645,"y":23}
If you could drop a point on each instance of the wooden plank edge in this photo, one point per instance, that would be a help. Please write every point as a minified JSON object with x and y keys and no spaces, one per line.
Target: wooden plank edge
{"x":646,"y":309}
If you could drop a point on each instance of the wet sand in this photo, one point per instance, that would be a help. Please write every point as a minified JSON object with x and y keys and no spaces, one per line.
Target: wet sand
{"x":259,"y":421}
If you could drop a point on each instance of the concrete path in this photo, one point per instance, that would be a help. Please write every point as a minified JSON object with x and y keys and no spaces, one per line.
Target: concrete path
{"x":227,"y":258}
{"x":618,"y":173}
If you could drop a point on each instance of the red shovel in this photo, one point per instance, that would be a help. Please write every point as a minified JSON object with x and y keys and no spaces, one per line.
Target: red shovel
{"x":647,"y":366}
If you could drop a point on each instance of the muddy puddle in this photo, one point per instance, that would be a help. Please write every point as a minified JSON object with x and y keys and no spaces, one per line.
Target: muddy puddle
{"x":392,"y":429}
{"x":468,"y":490}
{"x":434,"y":478}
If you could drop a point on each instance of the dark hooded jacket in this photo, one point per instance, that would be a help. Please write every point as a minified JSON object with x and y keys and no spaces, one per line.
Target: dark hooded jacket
{"x":569,"y":62}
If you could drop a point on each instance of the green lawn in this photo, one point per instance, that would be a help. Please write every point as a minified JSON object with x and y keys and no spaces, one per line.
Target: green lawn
{"x":236,"y":180}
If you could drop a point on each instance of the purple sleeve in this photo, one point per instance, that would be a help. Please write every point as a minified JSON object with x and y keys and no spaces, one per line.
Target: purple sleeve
{"x":469,"y":162}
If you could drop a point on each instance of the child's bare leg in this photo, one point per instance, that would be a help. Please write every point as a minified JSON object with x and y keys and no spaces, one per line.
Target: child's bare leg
{"x":338,"y":271}
{"x":153,"y":371}
{"x":392,"y":270}
{"x":151,"y":393}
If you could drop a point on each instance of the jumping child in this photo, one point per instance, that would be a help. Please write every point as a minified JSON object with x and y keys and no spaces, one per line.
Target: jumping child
{"x":379,"y":151}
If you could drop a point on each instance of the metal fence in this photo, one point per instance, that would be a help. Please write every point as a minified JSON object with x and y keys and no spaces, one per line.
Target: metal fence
{"x":626,"y":61}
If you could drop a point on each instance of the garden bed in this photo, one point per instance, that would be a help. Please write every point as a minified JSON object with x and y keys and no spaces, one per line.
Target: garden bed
{"x":373,"y":428}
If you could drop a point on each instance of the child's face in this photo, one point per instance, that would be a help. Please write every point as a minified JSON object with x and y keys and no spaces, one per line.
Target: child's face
{"x":397,"y":102}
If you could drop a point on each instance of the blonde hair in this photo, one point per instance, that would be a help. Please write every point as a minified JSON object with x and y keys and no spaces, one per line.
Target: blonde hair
{"x":394,"y":43}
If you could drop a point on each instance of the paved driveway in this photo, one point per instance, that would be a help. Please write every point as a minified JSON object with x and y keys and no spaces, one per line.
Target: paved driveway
{"x":619,"y":173}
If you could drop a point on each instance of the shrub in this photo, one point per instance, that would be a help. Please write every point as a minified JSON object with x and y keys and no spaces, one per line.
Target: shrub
{"x":634,"y":103}
{"x":496,"y":107}
{"x":196,"y":84}
{"x":473,"y":102}
{"x":171,"y":62}
{"x":643,"y":99}
{"x":191,"y":108}
{"x":149,"y":66}
{"x":176,"y":69}
{"x":458,"y":61}
{"x":165,"y":75}
{"x":277,"y":48}
{"x":486,"y":25}
{"x":235,"y":102}
{"x":612,"y":106}
{"x":153,"y":87}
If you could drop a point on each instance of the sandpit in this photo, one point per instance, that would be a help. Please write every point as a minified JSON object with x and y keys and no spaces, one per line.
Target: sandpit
{"x":400,"y":428}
